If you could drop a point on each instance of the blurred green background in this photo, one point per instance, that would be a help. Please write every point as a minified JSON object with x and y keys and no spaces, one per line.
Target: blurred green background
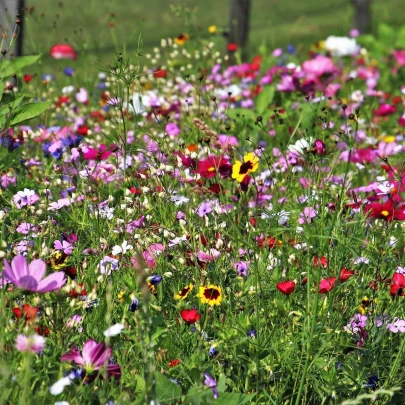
{"x":97,"y":28}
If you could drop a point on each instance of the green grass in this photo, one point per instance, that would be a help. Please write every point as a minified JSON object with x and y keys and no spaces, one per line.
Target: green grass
{"x":86,"y":24}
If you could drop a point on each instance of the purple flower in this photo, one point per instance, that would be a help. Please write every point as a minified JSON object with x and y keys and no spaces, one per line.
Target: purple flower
{"x":307,"y":215}
{"x":210,"y":382}
{"x":94,"y":356}
{"x":107,"y":264}
{"x":397,"y":326}
{"x":24,"y":198}
{"x":242,"y":268}
{"x":131,"y":226}
{"x":65,"y":246}
{"x":172,"y":129}
{"x":204,"y":209}
{"x":356,"y":324}
{"x":30,"y":278}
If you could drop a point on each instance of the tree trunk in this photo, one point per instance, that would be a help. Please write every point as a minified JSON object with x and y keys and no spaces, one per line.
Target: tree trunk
{"x":239,"y":25}
{"x":8,"y":27}
{"x":362,"y":15}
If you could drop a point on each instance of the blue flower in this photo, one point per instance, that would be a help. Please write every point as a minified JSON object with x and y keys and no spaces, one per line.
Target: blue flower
{"x":68,"y":71}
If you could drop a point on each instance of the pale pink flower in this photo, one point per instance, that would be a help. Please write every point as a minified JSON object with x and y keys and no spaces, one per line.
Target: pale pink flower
{"x":33,"y":344}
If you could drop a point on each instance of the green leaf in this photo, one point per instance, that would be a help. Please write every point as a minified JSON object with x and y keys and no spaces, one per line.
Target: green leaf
{"x":166,"y":391}
{"x":11,"y":66}
{"x":8,"y":159}
{"x":29,"y":111}
{"x":386,"y":34}
{"x":199,"y":396}
{"x":264,"y":99}
{"x":231,"y":398}
{"x":5,"y":109}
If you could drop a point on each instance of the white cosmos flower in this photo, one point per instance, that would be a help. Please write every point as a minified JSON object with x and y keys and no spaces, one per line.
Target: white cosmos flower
{"x":114,"y":330}
{"x":58,"y":387}
{"x":301,"y":146}
{"x":341,"y":46}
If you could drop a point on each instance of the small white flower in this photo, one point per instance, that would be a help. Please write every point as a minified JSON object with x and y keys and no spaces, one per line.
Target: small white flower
{"x":114,"y":330}
{"x":341,"y":46}
{"x":124,"y":248}
{"x":300,"y":146}
{"x":58,"y":387}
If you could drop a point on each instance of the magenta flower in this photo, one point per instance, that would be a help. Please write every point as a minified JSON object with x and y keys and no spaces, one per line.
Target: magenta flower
{"x":30,"y":278}
{"x":93,"y":357}
{"x":307,"y":215}
{"x":64,"y":246}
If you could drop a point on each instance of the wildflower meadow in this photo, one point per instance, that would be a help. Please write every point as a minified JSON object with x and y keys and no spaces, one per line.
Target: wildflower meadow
{"x":181,"y":226}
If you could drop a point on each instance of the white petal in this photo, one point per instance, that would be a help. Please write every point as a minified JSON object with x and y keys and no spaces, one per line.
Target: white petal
{"x":60,"y":385}
{"x":114,"y":330}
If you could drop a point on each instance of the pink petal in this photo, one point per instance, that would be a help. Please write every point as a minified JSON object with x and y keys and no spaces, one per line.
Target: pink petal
{"x":73,"y":356}
{"x":37,"y":269}
{"x":52,"y":282}
{"x":87,"y":349}
{"x":8,"y":272}
{"x":20,"y":267}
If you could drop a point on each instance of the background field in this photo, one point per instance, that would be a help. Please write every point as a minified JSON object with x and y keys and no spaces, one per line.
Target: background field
{"x":86,"y":24}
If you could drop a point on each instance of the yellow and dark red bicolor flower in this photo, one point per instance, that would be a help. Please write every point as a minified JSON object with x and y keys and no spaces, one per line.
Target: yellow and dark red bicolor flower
{"x":181,"y":39}
{"x":183,"y":293}
{"x":210,"y":294}
{"x":241,"y":169}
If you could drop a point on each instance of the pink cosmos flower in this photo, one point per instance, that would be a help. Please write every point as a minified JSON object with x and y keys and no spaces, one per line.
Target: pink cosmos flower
{"x":399,"y":56}
{"x":101,"y":153}
{"x":30,"y":278}
{"x":319,"y":66}
{"x":172,"y":129}
{"x":33,"y":344}
{"x":93,"y":357}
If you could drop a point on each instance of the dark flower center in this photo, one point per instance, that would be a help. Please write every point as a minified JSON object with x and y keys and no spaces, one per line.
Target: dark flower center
{"x":245,"y":167}
{"x":211,"y":293}
{"x":184,"y":292}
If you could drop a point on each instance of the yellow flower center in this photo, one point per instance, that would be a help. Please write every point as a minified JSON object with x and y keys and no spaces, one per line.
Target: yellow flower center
{"x":385,"y":213}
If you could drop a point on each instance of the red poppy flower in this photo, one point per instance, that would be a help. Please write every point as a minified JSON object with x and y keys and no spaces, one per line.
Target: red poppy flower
{"x":190,"y":315}
{"x":29,"y":313}
{"x":287,"y":287}
{"x":398,"y":284}
{"x":63,"y":51}
{"x":326,"y":284}
{"x":62,"y":100}
{"x":232,"y":47}
{"x":345,"y":274}
{"x":174,"y":363}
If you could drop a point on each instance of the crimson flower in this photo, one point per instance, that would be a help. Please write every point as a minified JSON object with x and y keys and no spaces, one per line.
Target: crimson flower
{"x":385,"y":210}
{"x":398,"y":284}
{"x":287,"y":287}
{"x":232,"y":47}
{"x":326,"y":284}
{"x":101,"y":153}
{"x":320,"y":262}
{"x":345,"y":274}
{"x":209,"y":167}
{"x":190,"y":315}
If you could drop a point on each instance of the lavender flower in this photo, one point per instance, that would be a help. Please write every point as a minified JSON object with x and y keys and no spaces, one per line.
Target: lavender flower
{"x":210,"y":382}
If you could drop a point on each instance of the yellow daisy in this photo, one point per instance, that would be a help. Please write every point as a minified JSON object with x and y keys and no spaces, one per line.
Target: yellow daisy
{"x":249,"y":165}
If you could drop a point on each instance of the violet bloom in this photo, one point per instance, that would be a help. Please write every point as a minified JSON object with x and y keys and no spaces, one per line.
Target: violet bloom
{"x":357,"y":323}
{"x":397,"y":326}
{"x":107,"y":264}
{"x":172,"y":129}
{"x":307,"y":215}
{"x":242,"y":268}
{"x":64,"y":246}
{"x":24,"y":198}
{"x":93,"y":357}
{"x":210,"y":382}
{"x":30,"y":278}
{"x":204,"y":209}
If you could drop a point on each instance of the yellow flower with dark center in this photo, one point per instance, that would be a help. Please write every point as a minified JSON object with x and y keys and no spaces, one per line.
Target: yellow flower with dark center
{"x":249,"y":165}
{"x":184,"y":292}
{"x":210,"y":294}
{"x":58,"y":260}
{"x":181,"y":39}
